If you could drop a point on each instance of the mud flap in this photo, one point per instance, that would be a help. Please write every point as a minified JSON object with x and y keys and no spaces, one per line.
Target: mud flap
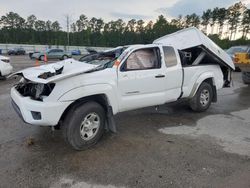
{"x":110,"y":124}
{"x":214,"y":94}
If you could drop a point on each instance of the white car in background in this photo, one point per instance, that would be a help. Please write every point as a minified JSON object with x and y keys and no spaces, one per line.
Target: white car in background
{"x":5,"y":66}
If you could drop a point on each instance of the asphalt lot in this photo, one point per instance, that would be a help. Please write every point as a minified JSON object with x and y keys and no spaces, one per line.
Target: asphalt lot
{"x":171,"y":147}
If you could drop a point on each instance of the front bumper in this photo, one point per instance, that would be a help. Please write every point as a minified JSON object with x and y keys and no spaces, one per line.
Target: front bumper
{"x":50,"y":112}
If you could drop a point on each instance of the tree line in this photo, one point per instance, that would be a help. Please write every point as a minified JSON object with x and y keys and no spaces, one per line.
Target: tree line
{"x":223,"y":25}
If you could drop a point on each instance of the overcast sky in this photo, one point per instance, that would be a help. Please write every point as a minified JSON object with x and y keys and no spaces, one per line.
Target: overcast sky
{"x":109,"y":9}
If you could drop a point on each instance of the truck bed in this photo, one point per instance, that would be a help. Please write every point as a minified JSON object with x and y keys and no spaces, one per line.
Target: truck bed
{"x":193,"y":74}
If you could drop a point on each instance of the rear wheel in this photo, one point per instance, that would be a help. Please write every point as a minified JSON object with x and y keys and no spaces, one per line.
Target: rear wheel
{"x":64,"y":57}
{"x":41,"y":58}
{"x":203,"y":98}
{"x":84,"y":125}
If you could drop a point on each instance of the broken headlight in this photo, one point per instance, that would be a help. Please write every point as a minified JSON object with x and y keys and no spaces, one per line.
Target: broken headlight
{"x":36,"y":91}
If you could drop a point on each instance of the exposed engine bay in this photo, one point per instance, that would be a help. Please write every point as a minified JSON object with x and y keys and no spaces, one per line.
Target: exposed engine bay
{"x":36,"y":91}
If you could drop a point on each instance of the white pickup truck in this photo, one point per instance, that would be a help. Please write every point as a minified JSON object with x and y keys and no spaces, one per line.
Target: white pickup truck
{"x":83,"y":96}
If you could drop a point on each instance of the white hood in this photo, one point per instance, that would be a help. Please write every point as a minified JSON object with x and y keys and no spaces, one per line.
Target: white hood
{"x":70,"y":67}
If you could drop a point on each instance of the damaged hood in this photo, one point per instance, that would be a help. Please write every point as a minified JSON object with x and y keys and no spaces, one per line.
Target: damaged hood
{"x":55,"y":71}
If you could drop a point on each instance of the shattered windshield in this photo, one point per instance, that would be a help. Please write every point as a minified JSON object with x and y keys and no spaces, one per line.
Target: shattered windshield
{"x":105,"y":59}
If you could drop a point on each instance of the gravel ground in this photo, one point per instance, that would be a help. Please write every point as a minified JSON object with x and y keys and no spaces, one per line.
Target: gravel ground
{"x":170,"y":147}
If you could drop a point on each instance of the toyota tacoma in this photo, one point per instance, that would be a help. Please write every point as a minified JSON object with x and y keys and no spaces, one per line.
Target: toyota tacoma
{"x":82,"y":97}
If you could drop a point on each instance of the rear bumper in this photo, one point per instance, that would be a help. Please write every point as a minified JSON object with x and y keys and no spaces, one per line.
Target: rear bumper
{"x":37,"y":112}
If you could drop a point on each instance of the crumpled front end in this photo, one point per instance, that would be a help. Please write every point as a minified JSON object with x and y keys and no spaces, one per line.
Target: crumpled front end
{"x":31,"y":96}
{"x":36,"y":91}
{"x":37,"y":112}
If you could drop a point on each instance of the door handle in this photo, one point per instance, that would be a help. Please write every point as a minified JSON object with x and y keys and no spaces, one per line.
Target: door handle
{"x":160,"y":76}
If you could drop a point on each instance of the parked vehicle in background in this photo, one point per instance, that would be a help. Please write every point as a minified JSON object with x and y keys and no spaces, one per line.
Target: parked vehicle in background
{"x":242,"y":60}
{"x":91,"y":50}
{"x":31,"y":55}
{"x":16,"y":51}
{"x":83,"y":97}
{"x":52,"y":54}
{"x":237,"y":49}
{"x":5,"y":66}
{"x":75,"y":52}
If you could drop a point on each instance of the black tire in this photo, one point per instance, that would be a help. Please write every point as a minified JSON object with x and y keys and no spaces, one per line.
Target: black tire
{"x":198,"y":103}
{"x":65,"y":57}
{"x":237,"y":69}
{"x":2,"y":77}
{"x":73,"y":124}
{"x":41,"y":58}
{"x":246,"y":77}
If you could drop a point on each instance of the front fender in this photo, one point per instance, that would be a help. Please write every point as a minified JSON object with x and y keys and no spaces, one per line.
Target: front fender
{"x":89,"y":90}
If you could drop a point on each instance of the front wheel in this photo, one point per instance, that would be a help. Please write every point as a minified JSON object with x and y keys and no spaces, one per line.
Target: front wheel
{"x":203,"y":98}
{"x":84,"y":125}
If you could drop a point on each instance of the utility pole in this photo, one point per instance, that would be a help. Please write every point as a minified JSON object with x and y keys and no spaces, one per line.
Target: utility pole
{"x":68,"y":25}
{"x":68,"y":29}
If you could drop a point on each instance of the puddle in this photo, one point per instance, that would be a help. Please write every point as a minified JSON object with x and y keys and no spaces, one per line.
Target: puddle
{"x":229,"y":131}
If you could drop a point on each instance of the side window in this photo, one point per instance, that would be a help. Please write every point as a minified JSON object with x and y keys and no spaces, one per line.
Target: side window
{"x":169,"y":56}
{"x":143,"y":59}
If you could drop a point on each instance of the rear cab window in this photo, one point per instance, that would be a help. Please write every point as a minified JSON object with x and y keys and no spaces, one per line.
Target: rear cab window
{"x":169,"y":56}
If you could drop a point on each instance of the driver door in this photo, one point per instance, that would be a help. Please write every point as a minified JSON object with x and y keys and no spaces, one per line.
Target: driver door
{"x":141,"y":80}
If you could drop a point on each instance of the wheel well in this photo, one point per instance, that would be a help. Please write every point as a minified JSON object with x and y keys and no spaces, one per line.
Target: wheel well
{"x":100,"y":99}
{"x":64,"y":56}
{"x":211,"y":82}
